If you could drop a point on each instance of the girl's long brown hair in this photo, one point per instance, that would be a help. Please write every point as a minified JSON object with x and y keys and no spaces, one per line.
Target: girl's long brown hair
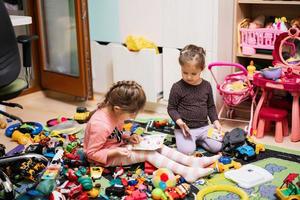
{"x":128,"y":95}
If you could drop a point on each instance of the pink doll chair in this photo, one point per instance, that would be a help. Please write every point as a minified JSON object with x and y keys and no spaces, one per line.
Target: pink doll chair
{"x":279,"y":116}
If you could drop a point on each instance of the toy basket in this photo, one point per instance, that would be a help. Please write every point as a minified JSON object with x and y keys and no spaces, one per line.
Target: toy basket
{"x":260,"y":38}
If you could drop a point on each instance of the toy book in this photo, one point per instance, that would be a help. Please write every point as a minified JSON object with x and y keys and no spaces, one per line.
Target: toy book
{"x":215,"y":134}
{"x":149,"y":142}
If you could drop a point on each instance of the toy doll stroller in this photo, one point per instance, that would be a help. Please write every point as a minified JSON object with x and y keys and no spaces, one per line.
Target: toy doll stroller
{"x":235,"y":89}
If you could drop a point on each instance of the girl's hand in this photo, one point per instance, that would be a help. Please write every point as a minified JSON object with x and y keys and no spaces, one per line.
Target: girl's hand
{"x":134,"y":139}
{"x":218,"y":125}
{"x":122,"y":152}
{"x":184,"y":128}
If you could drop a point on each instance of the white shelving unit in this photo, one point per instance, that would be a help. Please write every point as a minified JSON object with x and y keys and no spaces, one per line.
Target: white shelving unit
{"x":20,"y":20}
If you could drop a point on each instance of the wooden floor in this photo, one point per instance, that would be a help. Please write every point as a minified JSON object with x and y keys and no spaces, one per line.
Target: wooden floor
{"x":42,"y":106}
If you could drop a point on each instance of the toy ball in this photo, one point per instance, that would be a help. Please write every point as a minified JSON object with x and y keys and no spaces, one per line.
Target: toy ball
{"x":163,"y":178}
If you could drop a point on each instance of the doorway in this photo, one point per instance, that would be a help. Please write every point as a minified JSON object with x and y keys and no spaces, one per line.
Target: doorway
{"x":61,"y":56}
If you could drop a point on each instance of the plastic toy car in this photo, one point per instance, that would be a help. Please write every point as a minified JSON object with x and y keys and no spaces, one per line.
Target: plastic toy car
{"x":225,"y":163}
{"x":81,"y":115}
{"x":245,"y":152}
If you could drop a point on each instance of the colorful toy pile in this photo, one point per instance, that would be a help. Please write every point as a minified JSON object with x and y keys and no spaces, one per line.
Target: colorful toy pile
{"x":69,"y":176}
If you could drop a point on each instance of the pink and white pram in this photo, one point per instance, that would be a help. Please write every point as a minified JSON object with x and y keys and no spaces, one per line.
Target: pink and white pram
{"x":235,"y":89}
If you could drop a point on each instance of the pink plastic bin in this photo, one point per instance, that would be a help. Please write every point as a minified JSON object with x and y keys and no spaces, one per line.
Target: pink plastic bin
{"x":260,"y":38}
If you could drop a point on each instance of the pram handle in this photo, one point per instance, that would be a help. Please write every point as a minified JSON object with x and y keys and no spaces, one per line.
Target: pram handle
{"x":228,"y":64}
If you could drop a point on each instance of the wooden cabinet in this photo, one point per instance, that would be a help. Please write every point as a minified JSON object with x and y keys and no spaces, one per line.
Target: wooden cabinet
{"x":251,"y":9}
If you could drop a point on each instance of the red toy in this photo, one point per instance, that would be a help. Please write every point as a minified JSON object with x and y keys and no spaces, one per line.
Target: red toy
{"x":137,"y":195}
{"x":179,"y":192}
{"x":149,"y":168}
{"x":118,"y":172}
{"x":289,"y":190}
{"x":273,"y":114}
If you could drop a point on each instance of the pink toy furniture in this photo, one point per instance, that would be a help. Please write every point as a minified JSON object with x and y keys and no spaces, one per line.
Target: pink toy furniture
{"x":259,"y":38}
{"x":289,"y":82}
{"x":279,"y":116}
{"x":232,"y":98}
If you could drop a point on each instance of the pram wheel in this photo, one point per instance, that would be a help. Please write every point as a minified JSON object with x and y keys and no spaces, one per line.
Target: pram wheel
{"x":230,"y":114}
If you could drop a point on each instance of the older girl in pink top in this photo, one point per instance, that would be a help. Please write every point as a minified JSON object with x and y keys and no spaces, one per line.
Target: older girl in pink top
{"x":105,"y":143}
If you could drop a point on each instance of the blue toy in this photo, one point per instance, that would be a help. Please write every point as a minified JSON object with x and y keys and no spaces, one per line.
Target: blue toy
{"x":246,"y":152}
{"x":225,"y":160}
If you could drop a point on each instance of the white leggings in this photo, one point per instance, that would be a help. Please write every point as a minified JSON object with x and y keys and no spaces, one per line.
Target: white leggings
{"x":191,"y":168}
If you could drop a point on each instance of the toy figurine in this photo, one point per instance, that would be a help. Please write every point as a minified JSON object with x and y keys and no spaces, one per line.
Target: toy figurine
{"x":251,"y":68}
{"x":295,"y":23}
{"x":258,"y":22}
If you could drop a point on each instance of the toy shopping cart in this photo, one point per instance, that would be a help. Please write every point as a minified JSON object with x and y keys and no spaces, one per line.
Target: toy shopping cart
{"x":235,"y":89}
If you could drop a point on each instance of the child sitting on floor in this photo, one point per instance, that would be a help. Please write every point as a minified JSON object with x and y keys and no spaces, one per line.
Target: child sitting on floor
{"x":191,"y":103}
{"x":105,"y":143}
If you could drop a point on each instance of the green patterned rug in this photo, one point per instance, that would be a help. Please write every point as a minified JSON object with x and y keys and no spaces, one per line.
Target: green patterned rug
{"x":278,"y":161}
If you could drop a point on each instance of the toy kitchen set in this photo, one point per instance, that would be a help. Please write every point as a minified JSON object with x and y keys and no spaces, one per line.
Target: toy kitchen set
{"x":284,"y":76}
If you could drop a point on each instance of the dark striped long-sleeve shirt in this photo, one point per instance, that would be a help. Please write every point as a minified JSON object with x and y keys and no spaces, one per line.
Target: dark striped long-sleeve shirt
{"x":193,"y":104}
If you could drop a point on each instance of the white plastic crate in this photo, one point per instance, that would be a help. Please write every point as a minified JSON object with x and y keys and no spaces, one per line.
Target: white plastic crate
{"x":102,"y":69}
{"x":144,"y":67}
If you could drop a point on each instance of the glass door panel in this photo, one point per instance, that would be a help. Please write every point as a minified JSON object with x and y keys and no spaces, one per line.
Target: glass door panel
{"x":64,"y":46}
{"x":60,"y":36}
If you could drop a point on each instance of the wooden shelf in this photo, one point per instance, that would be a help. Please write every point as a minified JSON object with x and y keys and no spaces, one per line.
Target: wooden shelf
{"x":269,"y":2}
{"x":258,"y":56}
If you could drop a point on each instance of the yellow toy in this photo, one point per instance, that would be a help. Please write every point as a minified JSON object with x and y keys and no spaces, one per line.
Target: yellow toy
{"x":21,"y":138}
{"x":251,"y":68}
{"x":221,"y":167}
{"x":215,"y":188}
{"x":81,"y":115}
{"x":127,"y":126}
{"x":93,"y":193}
{"x":158,"y":194}
{"x":258,"y":146}
{"x":136,"y":43}
{"x":39,"y":137}
{"x":3,"y":124}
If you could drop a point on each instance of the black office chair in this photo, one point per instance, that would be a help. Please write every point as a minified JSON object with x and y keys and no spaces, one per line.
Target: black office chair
{"x":10,"y":66}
